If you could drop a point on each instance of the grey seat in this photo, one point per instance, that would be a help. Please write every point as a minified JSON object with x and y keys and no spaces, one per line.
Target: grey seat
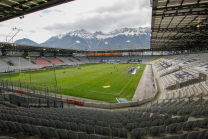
{"x":181,"y":119}
{"x":156,"y":122}
{"x":135,"y":134}
{"x":188,"y":125}
{"x":63,"y":134}
{"x":92,"y":136}
{"x":26,"y":120}
{"x":203,"y":123}
{"x":53,"y":133}
{"x":44,"y":131}
{"x":59,"y":124}
{"x":98,"y":130}
{"x":101,"y":123}
{"x":162,"y":129}
{"x":9,"y":117}
{"x":117,"y":132}
{"x":106,"y":131}
{"x":45,"y":122}
{"x":131,"y":126}
{"x":201,"y":134}
{"x":116,"y":125}
{"x":195,"y":124}
{"x":172,"y":128}
{"x":19,"y":128}
{"x":83,"y":135}
{"x":143,"y":124}
{"x":184,"y":136}
{"x":154,"y":131}
{"x":90,"y":122}
{"x":124,"y":122}
{"x":162,"y":122}
{"x":179,"y":126}
{"x":15,"y":118}
{"x":193,"y":135}
{"x":173,"y":137}
{"x":11,"y":126}
{"x":78,"y":135}
{"x":206,"y":135}
{"x":20,"y":118}
{"x":86,"y":128}
{"x":52,"y":123}
{"x":67,"y":119}
{"x":36,"y":131}
{"x":38,"y":122}
{"x":149,"y":124}
{"x":3,"y":117}
{"x":27,"y":129}
{"x":73,"y":126}
{"x":32,"y":120}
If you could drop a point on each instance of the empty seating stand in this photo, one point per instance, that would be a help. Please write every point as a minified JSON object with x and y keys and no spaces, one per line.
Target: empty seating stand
{"x":41,"y":62}
{"x":56,"y":61}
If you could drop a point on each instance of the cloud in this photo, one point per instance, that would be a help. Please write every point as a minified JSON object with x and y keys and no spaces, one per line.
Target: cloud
{"x":118,"y":15}
{"x":92,"y":15}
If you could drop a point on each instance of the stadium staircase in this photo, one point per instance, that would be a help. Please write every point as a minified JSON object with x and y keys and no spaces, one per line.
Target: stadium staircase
{"x":60,"y":60}
{"x":55,"y":61}
{"x":8,"y":61}
{"x":156,"y":59}
{"x":88,"y":59}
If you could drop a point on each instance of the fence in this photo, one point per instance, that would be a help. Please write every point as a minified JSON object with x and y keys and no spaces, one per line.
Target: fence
{"x":32,"y":89}
{"x":32,"y":94}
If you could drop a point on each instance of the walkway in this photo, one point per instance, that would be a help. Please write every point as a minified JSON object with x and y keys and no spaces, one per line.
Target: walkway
{"x":145,"y":87}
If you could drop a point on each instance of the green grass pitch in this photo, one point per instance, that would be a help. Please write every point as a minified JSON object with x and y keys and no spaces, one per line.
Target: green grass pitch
{"x":88,"y":82}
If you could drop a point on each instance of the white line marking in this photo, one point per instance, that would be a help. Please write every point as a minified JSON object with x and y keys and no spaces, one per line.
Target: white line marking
{"x":125,"y":86}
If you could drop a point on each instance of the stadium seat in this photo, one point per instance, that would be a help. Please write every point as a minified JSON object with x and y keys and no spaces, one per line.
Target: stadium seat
{"x":53,"y":133}
{"x":27,"y":129}
{"x":63,"y":134}
{"x":92,"y":136}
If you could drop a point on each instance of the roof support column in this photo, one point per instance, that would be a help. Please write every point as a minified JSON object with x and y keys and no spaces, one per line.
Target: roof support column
{"x":42,"y":53}
{"x":3,"y":52}
{"x":25,"y":53}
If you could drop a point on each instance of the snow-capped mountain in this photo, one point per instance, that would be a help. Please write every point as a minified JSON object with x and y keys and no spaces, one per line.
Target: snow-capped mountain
{"x":123,"y":38}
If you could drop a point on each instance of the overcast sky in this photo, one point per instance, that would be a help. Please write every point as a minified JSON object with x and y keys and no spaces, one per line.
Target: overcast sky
{"x":92,"y":15}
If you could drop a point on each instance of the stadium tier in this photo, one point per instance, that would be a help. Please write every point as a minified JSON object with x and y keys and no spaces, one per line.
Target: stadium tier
{"x":12,"y":63}
{"x":165,"y":122}
{"x":24,"y":63}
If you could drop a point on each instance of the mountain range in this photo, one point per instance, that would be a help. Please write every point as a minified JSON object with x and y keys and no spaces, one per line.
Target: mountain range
{"x":124,"y":38}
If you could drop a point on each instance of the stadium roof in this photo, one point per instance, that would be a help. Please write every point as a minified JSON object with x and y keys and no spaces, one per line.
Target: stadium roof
{"x":18,"y":8}
{"x":33,"y":48}
{"x":179,"y":24}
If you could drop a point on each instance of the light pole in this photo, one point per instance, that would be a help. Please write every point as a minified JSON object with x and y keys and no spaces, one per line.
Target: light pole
{"x":128,"y":41}
{"x":55,"y":73}
{"x":18,"y":30}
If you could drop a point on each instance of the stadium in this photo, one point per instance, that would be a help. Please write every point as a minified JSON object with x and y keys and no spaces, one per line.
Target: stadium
{"x":64,"y":93}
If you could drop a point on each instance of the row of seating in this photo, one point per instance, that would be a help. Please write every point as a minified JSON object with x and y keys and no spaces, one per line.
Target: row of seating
{"x":192,"y":135}
{"x":201,"y":111}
